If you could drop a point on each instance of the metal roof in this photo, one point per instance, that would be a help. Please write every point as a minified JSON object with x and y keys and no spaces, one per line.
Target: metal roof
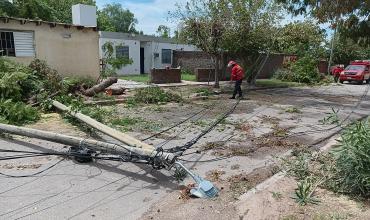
{"x":138,"y":37}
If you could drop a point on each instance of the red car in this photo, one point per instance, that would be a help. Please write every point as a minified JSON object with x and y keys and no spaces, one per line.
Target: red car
{"x":357,"y":71}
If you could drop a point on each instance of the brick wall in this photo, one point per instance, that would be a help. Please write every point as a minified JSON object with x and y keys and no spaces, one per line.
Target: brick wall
{"x":160,"y":76}
{"x":323,"y":66}
{"x":208,"y":74}
{"x":190,"y":60}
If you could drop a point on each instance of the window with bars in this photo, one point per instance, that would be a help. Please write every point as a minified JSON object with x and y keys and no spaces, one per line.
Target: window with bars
{"x":122,"y":51}
{"x":7,"y":44}
{"x":166,"y":56}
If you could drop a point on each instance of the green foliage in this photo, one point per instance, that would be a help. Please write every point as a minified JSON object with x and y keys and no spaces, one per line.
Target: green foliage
{"x":155,"y":95}
{"x":50,"y":78}
{"x":15,"y":80}
{"x":300,"y":38}
{"x":353,"y":160}
{"x":352,"y":16}
{"x":137,"y":78}
{"x":126,"y":121}
{"x":331,"y":118}
{"x":299,"y":166}
{"x":203,"y":91}
{"x":116,"y":19}
{"x":347,"y":50}
{"x":164,"y":31}
{"x":17,"y":113}
{"x":293,"y":110}
{"x":303,"y":194}
{"x":188,"y":75}
{"x":302,"y":71}
{"x":72,"y":84}
{"x":277,"y":195}
{"x":345,"y":169}
{"x":113,"y":63}
{"x":47,"y":10}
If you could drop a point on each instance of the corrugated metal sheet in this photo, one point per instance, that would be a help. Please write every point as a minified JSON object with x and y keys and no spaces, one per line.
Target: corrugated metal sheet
{"x":23,"y":42}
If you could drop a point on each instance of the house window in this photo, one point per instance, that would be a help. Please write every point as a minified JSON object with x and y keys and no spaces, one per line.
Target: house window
{"x":7,"y":44}
{"x":166,"y":56}
{"x":122,"y":51}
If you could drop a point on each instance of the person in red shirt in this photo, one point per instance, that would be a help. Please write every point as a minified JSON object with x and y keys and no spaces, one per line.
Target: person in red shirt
{"x":336,"y":72}
{"x":237,"y":75}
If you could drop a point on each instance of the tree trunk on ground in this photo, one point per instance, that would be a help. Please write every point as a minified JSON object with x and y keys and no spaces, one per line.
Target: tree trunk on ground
{"x":115,"y":91}
{"x":217,"y":72}
{"x":100,"y":87}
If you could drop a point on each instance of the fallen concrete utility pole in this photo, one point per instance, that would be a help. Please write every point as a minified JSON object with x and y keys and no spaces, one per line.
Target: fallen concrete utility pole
{"x":90,"y":143}
{"x":122,"y":137}
{"x":204,"y":188}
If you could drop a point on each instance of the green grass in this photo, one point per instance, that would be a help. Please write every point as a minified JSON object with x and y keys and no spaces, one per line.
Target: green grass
{"x":137,"y":78}
{"x":276,"y":83}
{"x":145,"y":77}
{"x":188,"y":77}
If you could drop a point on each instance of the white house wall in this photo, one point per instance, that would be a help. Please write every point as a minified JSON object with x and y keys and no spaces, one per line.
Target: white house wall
{"x":150,"y":48}
{"x":134,"y":53}
{"x":148,"y":56}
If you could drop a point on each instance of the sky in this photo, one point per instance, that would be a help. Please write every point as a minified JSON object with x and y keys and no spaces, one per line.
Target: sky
{"x":152,"y":13}
{"x":149,"y":13}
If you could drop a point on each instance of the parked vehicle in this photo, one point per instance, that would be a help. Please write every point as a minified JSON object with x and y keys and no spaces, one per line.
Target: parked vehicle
{"x":358,"y":71}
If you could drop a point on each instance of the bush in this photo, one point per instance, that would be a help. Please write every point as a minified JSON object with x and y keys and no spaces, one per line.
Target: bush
{"x":302,"y":71}
{"x":17,"y":113}
{"x":16,"y":81}
{"x":51,"y":80}
{"x":73,"y":84}
{"x":353,"y":160}
{"x":154,"y":95}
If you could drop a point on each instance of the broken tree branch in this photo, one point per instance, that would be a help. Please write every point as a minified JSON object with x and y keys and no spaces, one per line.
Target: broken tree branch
{"x":100,"y":87}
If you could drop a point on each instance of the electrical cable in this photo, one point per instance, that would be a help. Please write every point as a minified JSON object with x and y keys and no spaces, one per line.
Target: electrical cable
{"x":162,"y":144}
{"x":181,"y":149}
{"x":33,"y":174}
{"x":205,"y":161}
{"x":177,"y":124}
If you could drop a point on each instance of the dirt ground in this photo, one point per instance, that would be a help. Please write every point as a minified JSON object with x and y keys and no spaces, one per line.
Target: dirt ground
{"x":239,"y":154}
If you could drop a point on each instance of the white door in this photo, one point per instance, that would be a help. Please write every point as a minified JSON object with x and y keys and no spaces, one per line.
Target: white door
{"x":23,"y":42}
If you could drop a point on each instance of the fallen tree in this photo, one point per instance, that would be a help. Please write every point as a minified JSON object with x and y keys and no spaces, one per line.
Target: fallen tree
{"x":100,"y":87}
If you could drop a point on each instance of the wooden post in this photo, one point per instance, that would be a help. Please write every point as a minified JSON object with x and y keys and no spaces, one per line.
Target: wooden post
{"x":122,"y":137}
{"x":90,"y":143}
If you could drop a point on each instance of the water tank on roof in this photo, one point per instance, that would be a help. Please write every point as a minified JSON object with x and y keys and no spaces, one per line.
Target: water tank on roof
{"x":84,"y":15}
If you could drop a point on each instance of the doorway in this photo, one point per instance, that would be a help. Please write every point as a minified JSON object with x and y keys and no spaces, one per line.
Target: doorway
{"x":142,"y":60}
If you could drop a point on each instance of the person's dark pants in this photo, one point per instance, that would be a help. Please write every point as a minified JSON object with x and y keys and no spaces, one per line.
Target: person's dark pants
{"x":237,"y":88}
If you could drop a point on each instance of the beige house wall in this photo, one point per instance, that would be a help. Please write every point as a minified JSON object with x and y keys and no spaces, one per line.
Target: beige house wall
{"x":77,"y":55}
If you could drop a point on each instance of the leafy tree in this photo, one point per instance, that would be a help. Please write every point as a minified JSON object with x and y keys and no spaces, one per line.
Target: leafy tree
{"x":300,"y":38}
{"x":63,"y":9}
{"x":113,"y":63}
{"x":114,"y":18}
{"x":348,"y":50}
{"x":164,"y":31}
{"x":351,"y":14}
{"x":34,"y":9}
{"x":48,"y":10}
{"x":250,"y":29}
{"x":204,"y":26}
{"x":7,"y":8}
